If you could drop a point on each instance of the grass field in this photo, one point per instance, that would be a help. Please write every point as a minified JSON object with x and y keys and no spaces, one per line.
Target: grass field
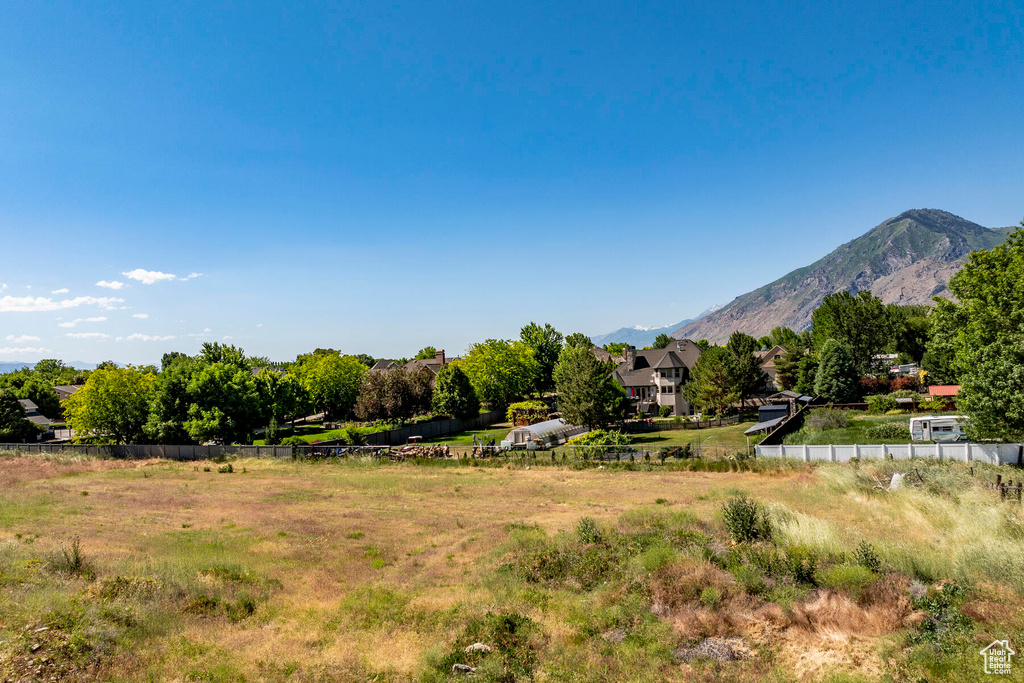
{"x":283,"y":571}
{"x":856,"y":432}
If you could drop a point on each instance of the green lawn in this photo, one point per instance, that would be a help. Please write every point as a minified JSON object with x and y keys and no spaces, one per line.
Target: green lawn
{"x":496,"y":432}
{"x":729,"y":435}
{"x":855,"y":433}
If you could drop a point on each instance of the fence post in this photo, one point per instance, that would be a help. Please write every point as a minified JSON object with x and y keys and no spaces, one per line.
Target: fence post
{"x":832,"y":452}
{"x":807,"y":454}
{"x":856,"y":451}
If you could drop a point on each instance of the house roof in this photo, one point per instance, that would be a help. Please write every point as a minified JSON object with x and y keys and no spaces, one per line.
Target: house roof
{"x":606,"y":356}
{"x":383,"y":365}
{"x":684,"y":355}
{"x":32,"y":413}
{"x":67,"y":388}
{"x":29,"y":405}
{"x":944,"y":390}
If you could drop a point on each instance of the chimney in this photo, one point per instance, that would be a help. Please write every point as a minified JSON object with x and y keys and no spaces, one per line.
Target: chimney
{"x":630,"y":352}
{"x":439,"y":357}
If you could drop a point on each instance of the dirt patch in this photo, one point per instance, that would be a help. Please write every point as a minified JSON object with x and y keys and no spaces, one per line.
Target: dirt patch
{"x":19,"y":469}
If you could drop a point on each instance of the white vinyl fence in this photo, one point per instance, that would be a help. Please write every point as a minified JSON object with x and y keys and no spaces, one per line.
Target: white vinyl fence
{"x":993,"y":454}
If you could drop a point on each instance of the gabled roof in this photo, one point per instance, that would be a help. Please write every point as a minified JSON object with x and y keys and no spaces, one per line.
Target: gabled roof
{"x":683,"y":353}
{"x":669,"y":360}
{"x":606,"y":356}
{"x":383,"y":365}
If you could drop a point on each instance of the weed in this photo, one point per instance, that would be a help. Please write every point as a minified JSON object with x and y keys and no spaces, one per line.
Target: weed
{"x":355,"y":535}
{"x":710,"y":597}
{"x":746,"y":520}
{"x":850,"y":579}
{"x":226,"y":469}
{"x":72,"y":562}
{"x":946,"y":626}
{"x":801,"y":563}
{"x":587,"y":531}
{"x":867,"y":557}
{"x":513,"y":641}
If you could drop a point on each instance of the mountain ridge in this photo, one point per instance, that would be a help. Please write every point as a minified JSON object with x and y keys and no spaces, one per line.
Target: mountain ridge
{"x":906,"y":259}
{"x":641,"y":336}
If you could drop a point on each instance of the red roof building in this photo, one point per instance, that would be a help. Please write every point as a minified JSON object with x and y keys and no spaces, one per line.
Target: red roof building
{"x":945,"y":390}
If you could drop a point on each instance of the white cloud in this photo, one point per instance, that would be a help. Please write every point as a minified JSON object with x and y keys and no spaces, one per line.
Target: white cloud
{"x":113,"y":284}
{"x":62,"y":290}
{"x":227,"y":337}
{"x":3,"y":286}
{"x":35,"y":304}
{"x":99,"y":336}
{"x":190,"y":276}
{"x":97,"y":319}
{"x":259,"y":324}
{"x":22,"y":339}
{"x":148,"y":277}
{"x":23,"y":349}
{"x":145,"y":337}
{"x":140,"y":316}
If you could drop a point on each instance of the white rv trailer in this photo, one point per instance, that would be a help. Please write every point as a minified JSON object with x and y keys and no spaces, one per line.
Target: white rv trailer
{"x":938,"y":429}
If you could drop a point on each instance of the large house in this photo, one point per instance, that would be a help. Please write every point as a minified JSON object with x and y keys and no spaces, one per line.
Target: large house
{"x":768,"y":359}
{"x":433,"y":364}
{"x":655,"y":377}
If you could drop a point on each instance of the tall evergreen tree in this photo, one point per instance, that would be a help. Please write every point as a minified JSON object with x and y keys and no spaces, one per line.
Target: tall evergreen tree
{"x":837,"y":380}
{"x":745,"y":368}
{"x":711,"y":385}
{"x":587,"y":394}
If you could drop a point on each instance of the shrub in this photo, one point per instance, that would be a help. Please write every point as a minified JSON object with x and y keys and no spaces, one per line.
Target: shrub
{"x":938,"y":403}
{"x":587,"y":531}
{"x":946,"y":624}
{"x":880,"y":403}
{"x":867,"y":557}
{"x":513,"y":640}
{"x":750,"y":578}
{"x":710,"y":597}
{"x":874,"y":385}
{"x":908,"y":393}
{"x":908,"y":382}
{"x":896,"y":431}
{"x":293,"y":441}
{"x":665,"y":411}
{"x":828,"y":418}
{"x":527,"y":412}
{"x":802,"y":563}
{"x":226,"y":469}
{"x":746,"y":520}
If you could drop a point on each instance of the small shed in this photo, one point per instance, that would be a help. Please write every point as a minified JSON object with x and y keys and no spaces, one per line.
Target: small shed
{"x":772,"y":411}
{"x":543,"y":434}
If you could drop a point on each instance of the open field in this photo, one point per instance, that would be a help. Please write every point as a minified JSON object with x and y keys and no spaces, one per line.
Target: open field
{"x":281,"y":571}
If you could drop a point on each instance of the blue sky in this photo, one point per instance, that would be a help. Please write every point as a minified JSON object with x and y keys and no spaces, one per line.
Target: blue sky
{"x":378,"y":177}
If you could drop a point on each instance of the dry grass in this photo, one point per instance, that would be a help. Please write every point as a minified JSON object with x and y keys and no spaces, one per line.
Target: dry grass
{"x":358,"y":571}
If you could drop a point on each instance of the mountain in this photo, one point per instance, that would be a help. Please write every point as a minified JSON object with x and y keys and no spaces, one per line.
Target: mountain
{"x":640,"y":336}
{"x":907,"y":260}
{"x":13,"y":367}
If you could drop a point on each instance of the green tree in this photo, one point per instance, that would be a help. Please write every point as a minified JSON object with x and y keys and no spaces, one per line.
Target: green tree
{"x":615,"y":348}
{"x":940,"y":351}
{"x":170,"y":403}
{"x":837,"y":380}
{"x":662,"y":341}
{"x":987,"y":339}
{"x":862,"y":323}
{"x":454,"y":394}
{"x":579,"y":340}
{"x":745,"y":368}
{"x":426,"y":353}
{"x":224,"y":404}
{"x":912,"y":326}
{"x":704,"y":344}
{"x":112,"y":406}
{"x":546,"y":344}
{"x":14,"y":426}
{"x":332,"y":382}
{"x":787,"y":368}
{"x":783,"y":336}
{"x":587,"y":393}
{"x":806,"y":374}
{"x":501,"y":371}
{"x":282,"y":393}
{"x":711,"y":386}
{"x":215,"y":352}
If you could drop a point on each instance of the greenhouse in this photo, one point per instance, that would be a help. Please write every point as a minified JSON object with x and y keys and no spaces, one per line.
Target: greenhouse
{"x":542,"y":435}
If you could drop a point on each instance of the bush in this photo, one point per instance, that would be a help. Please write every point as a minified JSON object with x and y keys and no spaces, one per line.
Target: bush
{"x":665,"y":411}
{"x":293,"y":441}
{"x":828,"y":418}
{"x":874,"y":385}
{"x":908,"y":393}
{"x":587,"y":531}
{"x":802,"y":564}
{"x":746,"y":520}
{"x":72,"y":562}
{"x":867,"y":557}
{"x":908,"y":382}
{"x":527,"y":412}
{"x":881,"y":403}
{"x":896,"y":431}
{"x":938,"y":403}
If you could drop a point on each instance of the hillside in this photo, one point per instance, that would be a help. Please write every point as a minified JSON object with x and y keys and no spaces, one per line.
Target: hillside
{"x":907,"y":259}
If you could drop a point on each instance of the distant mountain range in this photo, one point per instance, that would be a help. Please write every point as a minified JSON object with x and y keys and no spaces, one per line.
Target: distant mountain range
{"x":640,"y":336}
{"x":12,"y":366}
{"x":907,"y":260}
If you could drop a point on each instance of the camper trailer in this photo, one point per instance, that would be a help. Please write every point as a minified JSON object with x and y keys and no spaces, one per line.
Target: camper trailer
{"x":937,"y":429}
